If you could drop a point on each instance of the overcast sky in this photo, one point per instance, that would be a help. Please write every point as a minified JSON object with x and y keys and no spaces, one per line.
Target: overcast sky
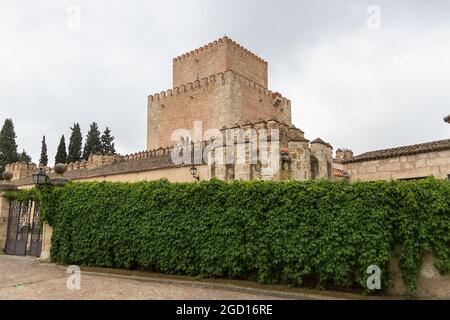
{"x":351,"y":83}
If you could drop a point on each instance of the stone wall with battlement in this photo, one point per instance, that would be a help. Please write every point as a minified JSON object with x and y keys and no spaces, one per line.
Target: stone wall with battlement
{"x":21,"y":170}
{"x":220,"y":100}
{"x":219,"y":84}
{"x":216,"y":57}
{"x":158,"y":162}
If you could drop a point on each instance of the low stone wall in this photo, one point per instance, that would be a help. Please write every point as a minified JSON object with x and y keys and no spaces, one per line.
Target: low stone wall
{"x":178,"y":174}
{"x":129,"y":171}
{"x":422,"y":165}
{"x":430,"y":284}
{"x":4,"y":214}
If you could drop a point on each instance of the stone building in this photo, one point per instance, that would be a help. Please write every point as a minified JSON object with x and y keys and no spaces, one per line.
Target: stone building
{"x":402,"y":163}
{"x":224,"y":86}
{"x":219,"y":84}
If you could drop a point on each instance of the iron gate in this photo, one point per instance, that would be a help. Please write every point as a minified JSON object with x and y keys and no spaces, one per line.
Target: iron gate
{"x":24,"y":235}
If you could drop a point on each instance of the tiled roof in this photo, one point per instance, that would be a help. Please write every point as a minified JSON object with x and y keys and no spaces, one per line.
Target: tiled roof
{"x":402,"y":151}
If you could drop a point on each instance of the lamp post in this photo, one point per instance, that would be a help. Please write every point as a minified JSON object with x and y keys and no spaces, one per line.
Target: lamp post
{"x":40,"y":178}
{"x":194,"y":172}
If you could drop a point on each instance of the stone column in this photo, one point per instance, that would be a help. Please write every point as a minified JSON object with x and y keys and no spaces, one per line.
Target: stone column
{"x":4,"y":213}
{"x":47,"y":232}
{"x":219,"y":162}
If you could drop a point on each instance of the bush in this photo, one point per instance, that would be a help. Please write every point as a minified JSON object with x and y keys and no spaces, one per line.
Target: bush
{"x":293,"y":232}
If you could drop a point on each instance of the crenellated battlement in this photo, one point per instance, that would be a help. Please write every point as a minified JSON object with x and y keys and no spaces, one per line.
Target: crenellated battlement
{"x":94,"y":161}
{"x":148,"y":154}
{"x":219,"y":56}
{"x":285,"y":132}
{"x":214,"y":44}
{"x":217,"y":80}
{"x":21,"y":170}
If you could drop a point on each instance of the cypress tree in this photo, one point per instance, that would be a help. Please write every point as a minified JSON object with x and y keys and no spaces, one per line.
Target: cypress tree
{"x":107,"y":142}
{"x":44,"y":156}
{"x":24,"y":157}
{"x":8,"y":145}
{"x":61,"y":154}
{"x":75,"y":144}
{"x":93,"y":142}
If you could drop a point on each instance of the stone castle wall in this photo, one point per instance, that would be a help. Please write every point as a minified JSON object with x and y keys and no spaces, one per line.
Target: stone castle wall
{"x":224,"y":99}
{"x":21,"y":170}
{"x":99,"y":164}
{"x":290,"y":156}
{"x":293,"y":153}
{"x":219,"y":84}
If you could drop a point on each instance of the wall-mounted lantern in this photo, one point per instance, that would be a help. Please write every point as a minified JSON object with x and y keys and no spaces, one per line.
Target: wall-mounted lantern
{"x":40,"y":178}
{"x":194,"y":173}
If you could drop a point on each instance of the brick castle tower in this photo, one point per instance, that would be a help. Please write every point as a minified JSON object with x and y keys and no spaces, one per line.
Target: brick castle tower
{"x":220,"y":84}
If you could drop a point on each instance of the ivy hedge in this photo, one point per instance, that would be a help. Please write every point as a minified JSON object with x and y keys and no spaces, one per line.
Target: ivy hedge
{"x":299,"y":233}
